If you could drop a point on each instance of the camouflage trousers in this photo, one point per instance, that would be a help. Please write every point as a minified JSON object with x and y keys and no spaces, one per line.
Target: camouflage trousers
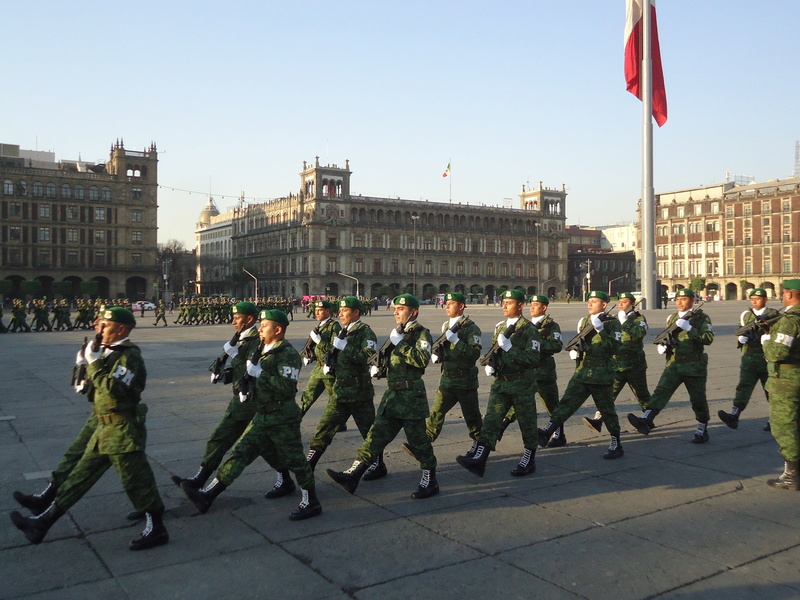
{"x":503,"y":396}
{"x":576,"y":394}
{"x":161,"y":317}
{"x":752,"y":369}
{"x":447,"y":398}
{"x":276,"y":437}
{"x":548,"y":392}
{"x":224,"y":437}
{"x":670,"y":380}
{"x":636,"y":379}
{"x":784,"y":417}
{"x":317,"y":382}
{"x":336,"y":414}
{"x":134,"y":473}
{"x":385,"y":429}
{"x":74,"y":452}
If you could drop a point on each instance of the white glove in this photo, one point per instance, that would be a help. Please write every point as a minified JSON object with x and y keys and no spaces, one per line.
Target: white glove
{"x":373,"y":370}
{"x":451,"y":336}
{"x":434,"y":358}
{"x":622,"y":316}
{"x":305,"y":361}
{"x":743,"y":339}
{"x":573,"y":354}
{"x":242,"y":397}
{"x":597,"y":322}
{"x":254,"y":370}
{"x":326,"y":369}
{"x":91,"y":356}
{"x":662,"y":349}
{"x":231,"y":351}
{"x":489,"y":369}
{"x":339,"y":343}
{"x":315,"y":336}
{"x":395,"y":336}
{"x":80,"y":359}
{"x":765,"y":338}
{"x":683,"y":324}
{"x":504,"y":342}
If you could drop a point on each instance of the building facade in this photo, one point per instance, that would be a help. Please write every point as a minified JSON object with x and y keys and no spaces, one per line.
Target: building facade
{"x":79,"y":222}
{"x":324,"y":240}
{"x":214,"y":248}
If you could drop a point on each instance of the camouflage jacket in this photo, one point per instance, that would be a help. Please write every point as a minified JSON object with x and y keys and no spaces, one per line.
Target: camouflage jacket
{"x":458,"y":367}
{"x":688,"y":354}
{"x":525,"y":352}
{"x":407,"y":363}
{"x":597,"y":364}
{"x":278,"y":380}
{"x":327,"y":332}
{"x":241,"y":411}
{"x":753,"y":345}
{"x":630,"y":356}
{"x":783,"y":346}
{"x":550,"y":332}
{"x":353,"y":383}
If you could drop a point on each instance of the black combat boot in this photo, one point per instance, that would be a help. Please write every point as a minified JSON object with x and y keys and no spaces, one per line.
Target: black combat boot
{"x":503,"y":426}
{"x":283,"y":486}
{"x":35,"y":528}
{"x":313,"y":456}
{"x":595,"y":423}
{"x":309,"y":506}
{"x":526,"y":465}
{"x":37,"y":503}
{"x":700,"y":434}
{"x":614,"y":449}
{"x":350,"y":478}
{"x":767,"y":427}
{"x":197,"y":481}
{"x":471,"y":452}
{"x":376,"y":470}
{"x":730,"y":419}
{"x":203,"y":499}
{"x":559,"y":438}
{"x":154,"y":533}
{"x":643,"y":424}
{"x":475,"y":464}
{"x":789,"y":479}
{"x":428,"y":486}
{"x":546,"y":433}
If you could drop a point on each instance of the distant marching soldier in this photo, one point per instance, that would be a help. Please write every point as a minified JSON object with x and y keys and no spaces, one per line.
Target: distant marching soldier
{"x":161,"y":314}
{"x":687,"y":364}
{"x":753,"y":367}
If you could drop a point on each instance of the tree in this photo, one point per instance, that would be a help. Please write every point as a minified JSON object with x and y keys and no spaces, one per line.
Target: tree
{"x":697,"y":284}
{"x":89,"y":288}
{"x":62,"y":287}
{"x":31,"y":288}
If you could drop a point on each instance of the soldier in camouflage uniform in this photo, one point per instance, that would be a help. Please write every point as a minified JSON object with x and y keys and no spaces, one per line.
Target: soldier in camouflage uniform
{"x":631,"y":361}
{"x":352,"y":389}
{"x":161,"y":314}
{"x":782,"y":352}
{"x":117,"y":373}
{"x":687,"y":363}
{"x":514,"y":360}
{"x":321,"y":340}
{"x":19,"y":318}
{"x":594,"y":373}
{"x":753,"y":367}
{"x":404,"y":404}
{"x":275,"y":430}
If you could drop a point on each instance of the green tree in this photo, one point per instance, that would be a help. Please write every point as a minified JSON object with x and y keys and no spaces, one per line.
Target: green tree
{"x":697,"y":284}
{"x":31,"y":288}
{"x":89,"y":288}
{"x":63,"y":287}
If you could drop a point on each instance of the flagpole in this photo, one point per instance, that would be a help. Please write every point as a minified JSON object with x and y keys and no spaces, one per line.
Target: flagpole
{"x":449,"y":164}
{"x":649,"y":290}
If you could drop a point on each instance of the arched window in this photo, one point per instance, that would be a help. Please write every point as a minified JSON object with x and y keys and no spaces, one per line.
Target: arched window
{"x":38,"y":189}
{"x":8,"y":187}
{"x":105,"y":194}
{"x":22,"y":188}
{"x":78,"y":192}
{"x":50,"y":190}
{"x":66,"y":191}
{"x":93,"y":195}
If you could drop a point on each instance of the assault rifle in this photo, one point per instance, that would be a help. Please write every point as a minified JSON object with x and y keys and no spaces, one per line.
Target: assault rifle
{"x":330,"y":357}
{"x":79,"y":381}
{"x":439,"y":347}
{"x":217,"y":368}
{"x":308,"y":349}
{"x":758,"y":327}
{"x":247,"y":384}
{"x":667,"y":337}
{"x":494,"y":358}
{"x":581,"y":341}
{"x":381,"y":358}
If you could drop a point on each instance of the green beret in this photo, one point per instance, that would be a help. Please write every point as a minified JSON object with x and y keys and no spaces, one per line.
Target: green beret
{"x":406,"y":300}
{"x":760,"y":292}
{"x":540,"y":299}
{"x":601,"y":295}
{"x":456,"y":296}
{"x":245,"y":308}
{"x":627,"y":295}
{"x":791,"y":284}
{"x":513,"y":295}
{"x":351,"y":302}
{"x":685,"y":292}
{"x":274,"y":315}
{"x":117,"y":314}
{"x":323,"y":304}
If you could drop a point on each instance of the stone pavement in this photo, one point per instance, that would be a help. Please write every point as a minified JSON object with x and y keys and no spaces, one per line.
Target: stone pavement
{"x":668,"y":520}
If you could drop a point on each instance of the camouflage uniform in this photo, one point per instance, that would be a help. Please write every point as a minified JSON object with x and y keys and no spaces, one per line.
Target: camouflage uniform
{"x":318,"y":380}
{"x":753,"y":367}
{"x":160,"y":314}
{"x":631,"y":362}
{"x":782,"y":352}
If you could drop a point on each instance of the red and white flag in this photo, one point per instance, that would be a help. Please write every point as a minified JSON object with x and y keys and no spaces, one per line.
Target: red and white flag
{"x":446,"y":171}
{"x":633,"y":58}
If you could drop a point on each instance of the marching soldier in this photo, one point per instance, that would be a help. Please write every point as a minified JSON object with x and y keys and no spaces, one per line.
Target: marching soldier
{"x":404,"y":404}
{"x":161,"y":314}
{"x":275,"y":430}
{"x":782,"y":352}
{"x":753,"y":367}
{"x":594,"y":373}
{"x":687,"y":363}
{"x":512,"y":360}
{"x":631,"y":362}
{"x":318,"y":347}
{"x":117,"y":373}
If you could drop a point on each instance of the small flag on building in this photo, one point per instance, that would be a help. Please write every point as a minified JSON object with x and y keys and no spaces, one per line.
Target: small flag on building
{"x":446,"y":171}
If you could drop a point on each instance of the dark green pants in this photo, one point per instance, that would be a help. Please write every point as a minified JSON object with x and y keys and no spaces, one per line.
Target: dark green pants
{"x":784,"y":416}
{"x":752,"y":369}
{"x":336,"y":414}
{"x":670,"y":380}
{"x":74,"y":452}
{"x":636,"y":379}
{"x":385,"y":429}
{"x":548,"y":392}
{"x":447,"y":398}
{"x":503,"y":396}
{"x":576,"y":394}
{"x":317,"y":383}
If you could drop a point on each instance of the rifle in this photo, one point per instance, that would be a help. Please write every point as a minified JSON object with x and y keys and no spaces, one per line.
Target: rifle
{"x":79,"y":381}
{"x":751,"y":329}
{"x":439,"y":347}
{"x":247,"y":384}
{"x":217,"y":368}
{"x":330,"y":357}
{"x":667,"y":337}
{"x":381,"y":358}
{"x":493,"y":358}
{"x":581,"y":341}
{"x":308,"y":349}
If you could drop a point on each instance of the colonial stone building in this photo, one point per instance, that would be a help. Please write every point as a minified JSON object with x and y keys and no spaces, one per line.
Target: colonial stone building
{"x":214,"y":250}
{"x":75,"y":221}
{"x":324,"y":240}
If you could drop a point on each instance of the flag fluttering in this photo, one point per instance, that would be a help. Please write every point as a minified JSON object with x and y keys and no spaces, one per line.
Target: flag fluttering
{"x":446,"y":171}
{"x":633,"y":58}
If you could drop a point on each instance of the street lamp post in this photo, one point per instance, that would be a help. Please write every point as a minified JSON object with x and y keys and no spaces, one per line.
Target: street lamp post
{"x":538,"y":260}
{"x":613,"y":280}
{"x":414,"y":219}
{"x":255,"y":280}
{"x":358,"y":285}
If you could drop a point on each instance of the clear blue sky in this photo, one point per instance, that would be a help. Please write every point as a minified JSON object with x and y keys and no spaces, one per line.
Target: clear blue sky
{"x":237,"y":94}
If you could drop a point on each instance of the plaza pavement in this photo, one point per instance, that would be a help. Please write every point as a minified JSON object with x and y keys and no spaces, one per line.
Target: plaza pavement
{"x":668,"y":520}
